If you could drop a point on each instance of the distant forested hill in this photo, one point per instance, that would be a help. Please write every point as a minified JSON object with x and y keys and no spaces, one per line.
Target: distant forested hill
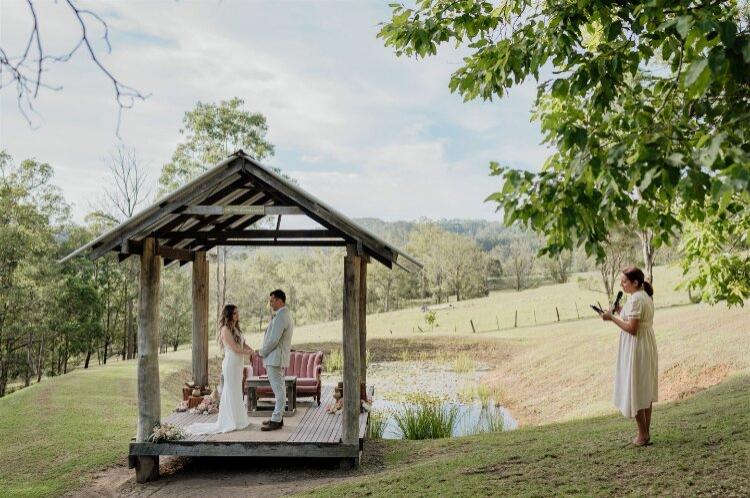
{"x":487,"y":234}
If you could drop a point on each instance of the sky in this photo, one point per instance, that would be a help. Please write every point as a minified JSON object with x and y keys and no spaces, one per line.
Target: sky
{"x":369,"y":133}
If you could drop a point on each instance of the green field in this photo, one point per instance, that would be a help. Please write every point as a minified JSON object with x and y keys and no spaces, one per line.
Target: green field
{"x":500,"y":308}
{"x":701,"y":446}
{"x":56,"y":434}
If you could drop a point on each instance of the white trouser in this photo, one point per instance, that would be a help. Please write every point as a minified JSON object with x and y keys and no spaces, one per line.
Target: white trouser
{"x":276,"y":379}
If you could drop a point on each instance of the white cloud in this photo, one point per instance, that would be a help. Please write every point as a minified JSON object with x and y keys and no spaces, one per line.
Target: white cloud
{"x":371,"y":134}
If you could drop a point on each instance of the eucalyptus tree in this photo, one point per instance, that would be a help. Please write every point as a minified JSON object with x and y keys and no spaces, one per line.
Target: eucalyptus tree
{"x":645,"y":104}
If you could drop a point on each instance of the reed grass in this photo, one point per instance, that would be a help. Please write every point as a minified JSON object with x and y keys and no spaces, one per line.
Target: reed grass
{"x":490,"y":420}
{"x":377,"y":425}
{"x":333,"y":361}
{"x":463,"y":363}
{"x":426,"y":418}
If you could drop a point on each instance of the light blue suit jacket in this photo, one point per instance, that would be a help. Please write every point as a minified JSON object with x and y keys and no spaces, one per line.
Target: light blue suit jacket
{"x":277,"y":342}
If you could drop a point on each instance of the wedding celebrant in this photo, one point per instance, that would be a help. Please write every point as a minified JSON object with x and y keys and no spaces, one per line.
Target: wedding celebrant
{"x":232,"y":411}
{"x":277,"y":344}
{"x":637,"y":374}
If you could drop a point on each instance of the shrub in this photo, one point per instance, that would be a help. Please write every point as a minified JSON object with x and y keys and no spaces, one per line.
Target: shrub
{"x":377,"y":424}
{"x":426,"y":418}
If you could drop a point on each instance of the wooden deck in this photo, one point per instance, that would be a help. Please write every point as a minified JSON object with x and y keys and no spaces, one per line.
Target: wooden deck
{"x":311,"y":432}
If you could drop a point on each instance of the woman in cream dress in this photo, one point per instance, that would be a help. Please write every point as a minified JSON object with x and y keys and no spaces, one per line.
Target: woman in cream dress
{"x":637,"y":375}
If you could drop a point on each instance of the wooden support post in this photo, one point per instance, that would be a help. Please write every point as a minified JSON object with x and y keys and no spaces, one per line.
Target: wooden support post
{"x":149,"y":400}
{"x":350,"y":429}
{"x":200,"y":319}
{"x":362,"y":310}
{"x":558,"y":313}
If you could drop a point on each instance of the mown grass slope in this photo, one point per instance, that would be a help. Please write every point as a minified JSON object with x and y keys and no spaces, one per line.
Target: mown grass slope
{"x":701,"y":446}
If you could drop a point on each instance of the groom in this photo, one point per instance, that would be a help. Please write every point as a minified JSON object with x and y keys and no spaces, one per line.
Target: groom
{"x":275,"y":353}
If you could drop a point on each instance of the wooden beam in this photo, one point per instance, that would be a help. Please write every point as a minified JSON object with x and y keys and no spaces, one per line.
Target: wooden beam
{"x":175,"y":253}
{"x":279,"y":243}
{"x":200,"y":319}
{"x":206,"y":210}
{"x":130,"y":247}
{"x":219,"y":196}
{"x":172,"y":205}
{"x":253,"y":196}
{"x":362,"y":310}
{"x":319,"y":213}
{"x":246,"y":449}
{"x":350,"y":428}
{"x":205,"y":235}
{"x":149,"y":400}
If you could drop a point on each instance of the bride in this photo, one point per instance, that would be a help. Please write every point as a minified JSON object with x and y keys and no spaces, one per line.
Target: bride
{"x":232,"y":412}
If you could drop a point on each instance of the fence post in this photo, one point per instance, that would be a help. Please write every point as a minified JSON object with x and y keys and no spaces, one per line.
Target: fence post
{"x":577,"y":314}
{"x":534,"y":316}
{"x":497,"y":321}
{"x":558,"y":313}
{"x":515,"y":321}
{"x":472,"y":326}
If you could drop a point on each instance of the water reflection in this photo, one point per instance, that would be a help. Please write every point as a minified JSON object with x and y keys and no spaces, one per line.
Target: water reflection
{"x":472,"y":417}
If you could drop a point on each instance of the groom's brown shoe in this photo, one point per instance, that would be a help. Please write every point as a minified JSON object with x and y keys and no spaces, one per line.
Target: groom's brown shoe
{"x":267,"y":422}
{"x":272,"y":426}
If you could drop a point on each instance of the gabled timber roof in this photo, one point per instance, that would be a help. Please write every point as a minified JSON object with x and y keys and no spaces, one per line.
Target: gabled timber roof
{"x":221,"y":206}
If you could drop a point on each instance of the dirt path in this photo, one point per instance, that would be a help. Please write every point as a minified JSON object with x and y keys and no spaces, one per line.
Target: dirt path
{"x":226,"y":477}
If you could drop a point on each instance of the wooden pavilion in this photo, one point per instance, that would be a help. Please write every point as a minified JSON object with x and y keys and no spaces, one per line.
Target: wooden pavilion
{"x":220,"y":208}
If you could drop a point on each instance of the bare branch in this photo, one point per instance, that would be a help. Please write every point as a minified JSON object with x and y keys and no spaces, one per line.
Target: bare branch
{"x":25,"y":72}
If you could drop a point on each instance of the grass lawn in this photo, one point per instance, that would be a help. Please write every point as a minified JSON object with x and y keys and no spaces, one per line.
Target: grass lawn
{"x":701,"y":447}
{"x":54,"y":434}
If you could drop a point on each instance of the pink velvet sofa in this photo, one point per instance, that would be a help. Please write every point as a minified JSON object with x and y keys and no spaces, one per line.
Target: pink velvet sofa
{"x":305,"y":365}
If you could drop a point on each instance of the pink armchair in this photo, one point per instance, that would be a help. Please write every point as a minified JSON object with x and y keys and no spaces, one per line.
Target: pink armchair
{"x":305,"y":365}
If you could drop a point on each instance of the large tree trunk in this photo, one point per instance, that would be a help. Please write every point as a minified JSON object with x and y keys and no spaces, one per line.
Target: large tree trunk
{"x":88,"y":358}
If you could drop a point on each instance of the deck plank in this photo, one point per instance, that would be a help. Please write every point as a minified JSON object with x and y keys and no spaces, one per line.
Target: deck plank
{"x":312,"y":418}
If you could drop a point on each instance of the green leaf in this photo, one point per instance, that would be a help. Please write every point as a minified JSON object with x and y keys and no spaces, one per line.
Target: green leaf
{"x":684,"y":23}
{"x":746,"y":51}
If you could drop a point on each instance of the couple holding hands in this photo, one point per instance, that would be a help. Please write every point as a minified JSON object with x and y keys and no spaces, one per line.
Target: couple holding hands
{"x":275,"y":352}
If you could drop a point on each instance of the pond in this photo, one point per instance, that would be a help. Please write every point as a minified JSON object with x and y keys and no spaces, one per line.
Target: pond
{"x":472,"y":417}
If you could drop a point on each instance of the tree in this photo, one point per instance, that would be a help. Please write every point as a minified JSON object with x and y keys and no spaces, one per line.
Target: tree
{"x":126,"y":193}
{"x":453,"y":264}
{"x":175,"y":309}
{"x":519,"y":262}
{"x":646,"y":108}
{"x":212,"y":132}
{"x":618,"y":251}
{"x":29,"y":207}
{"x":559,"y":266}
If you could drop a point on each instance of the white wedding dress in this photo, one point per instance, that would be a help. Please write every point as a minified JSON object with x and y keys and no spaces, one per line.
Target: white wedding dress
{"x":232,"y":411}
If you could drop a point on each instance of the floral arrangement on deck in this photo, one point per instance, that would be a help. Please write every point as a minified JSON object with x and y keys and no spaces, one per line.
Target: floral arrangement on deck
{"x":166,"y":432}
{"x":208,"y":406}
{"x":182,"y":407}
